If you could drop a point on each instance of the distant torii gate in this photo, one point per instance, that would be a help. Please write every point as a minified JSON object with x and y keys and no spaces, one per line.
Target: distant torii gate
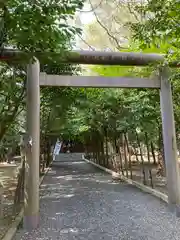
{"x":35,"y":79}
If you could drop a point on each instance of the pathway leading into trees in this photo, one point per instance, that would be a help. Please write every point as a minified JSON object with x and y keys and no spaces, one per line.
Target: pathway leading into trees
{"x":80,"y":202}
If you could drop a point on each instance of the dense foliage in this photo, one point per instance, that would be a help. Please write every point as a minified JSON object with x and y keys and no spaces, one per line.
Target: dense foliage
{"x":32,"y":26}
{"x":83,"y":112}
{"x":130,"y":110}
{"x":38,"y":25}
{"x":160,"y":25}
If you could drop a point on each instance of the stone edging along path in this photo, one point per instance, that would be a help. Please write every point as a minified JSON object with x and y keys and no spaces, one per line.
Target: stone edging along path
{"x":14,"y":226}
{"x":141,"y":186}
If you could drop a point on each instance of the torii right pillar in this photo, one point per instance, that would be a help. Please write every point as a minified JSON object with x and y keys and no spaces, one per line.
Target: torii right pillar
{"x":169,"y":141}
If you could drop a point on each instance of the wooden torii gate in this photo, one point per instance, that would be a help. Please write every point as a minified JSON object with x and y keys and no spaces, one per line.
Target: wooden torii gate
{"x":35,"y":79}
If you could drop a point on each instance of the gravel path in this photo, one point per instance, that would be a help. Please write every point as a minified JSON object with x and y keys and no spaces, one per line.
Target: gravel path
{"x":80,"y":202}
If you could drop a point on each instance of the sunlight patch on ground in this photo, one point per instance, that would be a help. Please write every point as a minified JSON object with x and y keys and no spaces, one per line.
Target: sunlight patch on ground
{"x":59,"y":188}
{"x":51,"y":172}
{"x":57,"y":196}
{"x":68,"y":230}
{"x":103,"y":181}
{"x":79,"y":162}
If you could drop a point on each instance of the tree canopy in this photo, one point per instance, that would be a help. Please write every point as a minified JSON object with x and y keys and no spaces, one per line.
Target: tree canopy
{"x":38,"y":25}
{"x":33,"y":26}
{"x":79,"y":112}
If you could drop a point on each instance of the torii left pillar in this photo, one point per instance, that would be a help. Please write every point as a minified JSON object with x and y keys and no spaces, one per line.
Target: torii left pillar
{"x":31,"y":216}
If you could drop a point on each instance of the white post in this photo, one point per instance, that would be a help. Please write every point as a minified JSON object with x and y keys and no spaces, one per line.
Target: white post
{"x":31,"y":219}
{"x":169,"y":140}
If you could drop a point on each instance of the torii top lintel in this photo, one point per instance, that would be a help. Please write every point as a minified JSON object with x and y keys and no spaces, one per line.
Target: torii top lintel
{"x":89,"y":57}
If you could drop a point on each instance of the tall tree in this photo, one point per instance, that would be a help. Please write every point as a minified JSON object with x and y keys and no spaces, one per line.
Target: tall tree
{"x":39,"y":25}
{"x":31,"y":26}
{"x":160,"y":26}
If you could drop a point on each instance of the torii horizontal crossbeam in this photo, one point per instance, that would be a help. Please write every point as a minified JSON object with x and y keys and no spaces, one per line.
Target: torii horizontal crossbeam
{"x":99,"y":81}
{"x":88,"y":57}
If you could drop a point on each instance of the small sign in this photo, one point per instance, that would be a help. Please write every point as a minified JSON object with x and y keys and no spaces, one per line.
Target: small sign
{"x":57,"y":148}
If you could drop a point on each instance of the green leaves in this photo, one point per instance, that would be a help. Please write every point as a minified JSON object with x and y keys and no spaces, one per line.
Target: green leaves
{"x":35,"y":26}
{"x":160,"y":27}
{"x":40,"y":25}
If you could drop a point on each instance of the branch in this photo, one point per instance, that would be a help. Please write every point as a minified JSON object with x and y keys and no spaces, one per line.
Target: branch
{"x":132,"y":12}
{"x":106,"y":29}
{"x":87,"y":43}
{"x":93,"y":8}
